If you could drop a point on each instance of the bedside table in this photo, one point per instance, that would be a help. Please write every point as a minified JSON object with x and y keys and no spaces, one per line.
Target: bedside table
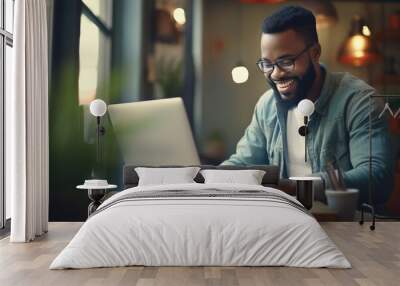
{"x":304,"y":190}
{"x":96,"y":192}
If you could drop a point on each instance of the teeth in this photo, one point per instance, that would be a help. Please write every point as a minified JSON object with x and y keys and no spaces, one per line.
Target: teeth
{"x":285,"y":83}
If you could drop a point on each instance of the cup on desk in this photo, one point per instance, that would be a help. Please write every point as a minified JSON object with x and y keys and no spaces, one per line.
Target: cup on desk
{"x":344,"y":203}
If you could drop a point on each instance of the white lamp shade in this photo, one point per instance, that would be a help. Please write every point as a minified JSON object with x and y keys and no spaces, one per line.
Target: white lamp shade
{"x":98,"y":107}
{"x":179,"y":16}
{"x":240,"y":74}
{"x":306,"y":107}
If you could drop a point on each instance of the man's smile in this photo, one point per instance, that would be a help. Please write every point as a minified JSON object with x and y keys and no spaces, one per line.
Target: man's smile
{"x":286,"y":86}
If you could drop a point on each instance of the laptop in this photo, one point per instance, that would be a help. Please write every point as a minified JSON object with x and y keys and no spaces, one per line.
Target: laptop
{"x":154,"y":132}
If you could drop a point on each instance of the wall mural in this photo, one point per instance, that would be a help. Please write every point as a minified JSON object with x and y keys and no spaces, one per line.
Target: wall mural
{"x":95,"y":55}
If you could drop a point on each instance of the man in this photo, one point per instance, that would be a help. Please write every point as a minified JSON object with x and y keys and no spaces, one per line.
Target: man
{"x":339,"y":127}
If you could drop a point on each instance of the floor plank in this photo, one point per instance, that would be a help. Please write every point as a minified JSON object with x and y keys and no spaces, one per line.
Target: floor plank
{"x":375,"y":257}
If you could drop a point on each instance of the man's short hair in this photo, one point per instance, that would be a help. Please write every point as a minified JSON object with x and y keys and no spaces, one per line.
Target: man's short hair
{"x":294,"y":18}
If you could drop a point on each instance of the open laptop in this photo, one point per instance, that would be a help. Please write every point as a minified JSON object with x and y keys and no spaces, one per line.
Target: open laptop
{"x":154,"y":132}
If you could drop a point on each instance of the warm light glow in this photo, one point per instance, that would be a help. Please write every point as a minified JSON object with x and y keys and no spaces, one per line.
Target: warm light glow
{"x":359,"y":54}
{"x":179,"y":16}
{"x":240,"y":74}
{"x":322,"y":21}
{"x":324,"y":11}
{"x":366,"y":31}
{"x":358,"y":43}
{"x":325,"y":21}
{"x":359,"y":49}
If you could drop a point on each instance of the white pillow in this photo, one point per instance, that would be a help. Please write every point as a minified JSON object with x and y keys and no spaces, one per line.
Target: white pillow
{"x":248,"y":177}
{"x":162,"y":176}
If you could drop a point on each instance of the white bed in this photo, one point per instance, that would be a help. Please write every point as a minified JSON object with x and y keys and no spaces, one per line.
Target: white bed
{"x":185,"y":230}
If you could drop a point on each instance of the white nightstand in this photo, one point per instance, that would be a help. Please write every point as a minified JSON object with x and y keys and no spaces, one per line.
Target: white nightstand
{"x":96,"y":191}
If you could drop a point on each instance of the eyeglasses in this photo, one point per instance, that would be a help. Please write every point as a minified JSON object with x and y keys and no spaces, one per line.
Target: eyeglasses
{"x":285,"y":64}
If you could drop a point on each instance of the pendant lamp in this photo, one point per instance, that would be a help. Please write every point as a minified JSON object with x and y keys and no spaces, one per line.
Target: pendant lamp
{"x":324,"y":11}
{"x":358,"y":49}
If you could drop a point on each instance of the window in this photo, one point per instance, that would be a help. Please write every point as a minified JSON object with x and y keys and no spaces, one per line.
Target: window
{"x":6,"y":66}
{"x":88,"y":61}
{"x":94,"y":49}
{"x":101,"y":9}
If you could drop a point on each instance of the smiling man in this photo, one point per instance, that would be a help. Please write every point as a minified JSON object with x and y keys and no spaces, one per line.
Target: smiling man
{"x":339,"y":127}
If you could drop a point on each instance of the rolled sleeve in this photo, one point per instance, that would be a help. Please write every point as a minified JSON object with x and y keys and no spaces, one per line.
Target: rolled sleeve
{"x":251,"y":148}
{"x":358,"y":121}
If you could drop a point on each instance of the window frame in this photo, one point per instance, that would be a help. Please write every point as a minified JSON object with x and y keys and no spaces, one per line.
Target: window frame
{"x":95,"y":20}
{"x":6,"y":39}
{"x":104,"y":31}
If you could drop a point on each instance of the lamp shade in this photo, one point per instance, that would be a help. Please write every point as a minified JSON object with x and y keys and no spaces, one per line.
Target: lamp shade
{"x":98,"y":107}
{"x":306,"y":107}
{"x":358,"y":48}
{"x":179,"y":16}
{"x":324,"y":11}
{"x":240,"y":74}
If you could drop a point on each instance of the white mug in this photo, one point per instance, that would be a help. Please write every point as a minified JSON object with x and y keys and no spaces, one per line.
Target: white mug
{"x":344,"y":203}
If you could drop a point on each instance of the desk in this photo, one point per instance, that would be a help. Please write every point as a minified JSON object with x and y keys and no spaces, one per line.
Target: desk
{"x":323,"y":212}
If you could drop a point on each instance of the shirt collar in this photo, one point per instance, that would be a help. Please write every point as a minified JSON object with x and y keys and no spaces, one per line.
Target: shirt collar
{"x":326,"y":92}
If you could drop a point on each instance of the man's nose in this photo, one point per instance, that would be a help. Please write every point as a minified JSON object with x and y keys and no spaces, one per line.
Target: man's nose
{"x":277,"y":73}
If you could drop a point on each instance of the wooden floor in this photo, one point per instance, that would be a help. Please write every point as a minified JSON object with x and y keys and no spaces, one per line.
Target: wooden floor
{"x":375,"y":257}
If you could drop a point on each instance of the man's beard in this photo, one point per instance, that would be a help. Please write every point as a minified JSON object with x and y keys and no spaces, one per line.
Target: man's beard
{"x":303,"y":86}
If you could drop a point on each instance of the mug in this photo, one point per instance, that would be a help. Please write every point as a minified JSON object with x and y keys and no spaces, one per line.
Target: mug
{"x":344,"y":203}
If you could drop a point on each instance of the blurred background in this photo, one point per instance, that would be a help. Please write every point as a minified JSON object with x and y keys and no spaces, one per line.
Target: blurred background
{"x":132,"y":50}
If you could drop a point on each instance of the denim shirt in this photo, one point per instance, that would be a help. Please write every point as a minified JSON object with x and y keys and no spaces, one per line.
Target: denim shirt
{"x":338,"y":131}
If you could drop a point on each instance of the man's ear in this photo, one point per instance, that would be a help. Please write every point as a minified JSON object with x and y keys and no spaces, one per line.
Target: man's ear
{"x":316,"y":52}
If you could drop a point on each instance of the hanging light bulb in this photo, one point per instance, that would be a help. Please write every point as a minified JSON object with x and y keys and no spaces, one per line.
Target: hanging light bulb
{"x":179,"y":16}
{"x":366,"y":31}
{"x":358,"y":49}
{"x":240,"y":74}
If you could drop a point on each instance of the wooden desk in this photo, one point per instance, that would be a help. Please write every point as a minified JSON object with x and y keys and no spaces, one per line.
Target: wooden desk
{"x":322,"y":212}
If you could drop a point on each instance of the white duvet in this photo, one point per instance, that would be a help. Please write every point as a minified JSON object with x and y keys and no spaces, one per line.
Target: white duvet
{"x":200,"y":231}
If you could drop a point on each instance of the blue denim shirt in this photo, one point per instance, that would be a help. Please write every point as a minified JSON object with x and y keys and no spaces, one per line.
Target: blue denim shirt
{"x":338,"y":131}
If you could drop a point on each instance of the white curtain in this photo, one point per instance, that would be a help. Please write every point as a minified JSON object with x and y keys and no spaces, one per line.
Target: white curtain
{"x":27,"y":123}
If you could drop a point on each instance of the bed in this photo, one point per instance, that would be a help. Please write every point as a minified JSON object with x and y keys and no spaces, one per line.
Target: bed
{"x":198,"y":224}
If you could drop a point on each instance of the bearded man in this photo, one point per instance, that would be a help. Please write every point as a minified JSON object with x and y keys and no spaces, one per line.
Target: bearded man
{"x":338,"y":130}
